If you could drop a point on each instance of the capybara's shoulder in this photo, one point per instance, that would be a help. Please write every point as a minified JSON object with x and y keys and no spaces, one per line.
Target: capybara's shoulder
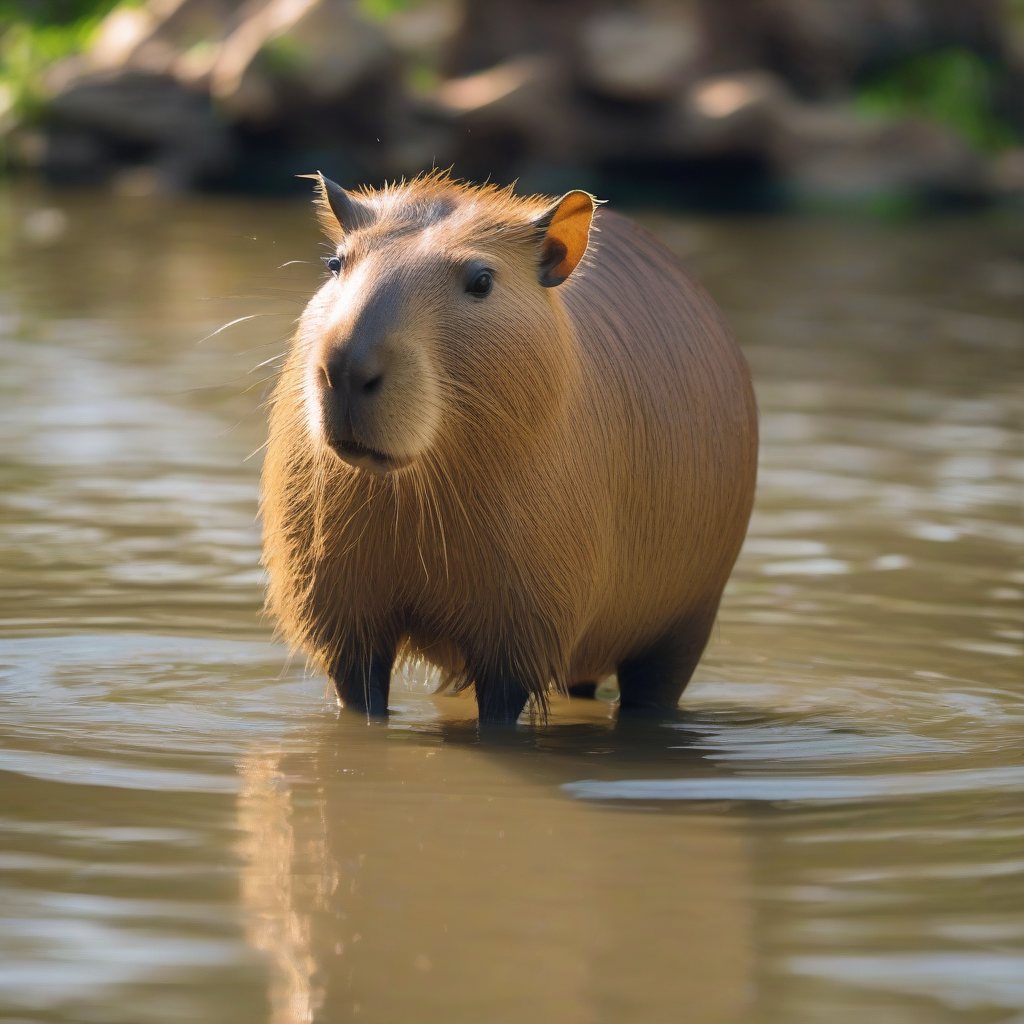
{"x":631,"y":285}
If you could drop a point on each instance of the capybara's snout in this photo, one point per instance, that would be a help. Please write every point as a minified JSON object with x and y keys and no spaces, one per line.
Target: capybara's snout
{"x":374,"y":396}
{"x":353,"y":386}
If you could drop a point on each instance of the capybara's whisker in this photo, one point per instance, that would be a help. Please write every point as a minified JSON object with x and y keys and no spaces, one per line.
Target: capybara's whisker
{"x":267,"y":362}
{"x":262,"y":380}
{"x":231,"y":323}
{"x":256,"y":451}
{"x":226,"y":383}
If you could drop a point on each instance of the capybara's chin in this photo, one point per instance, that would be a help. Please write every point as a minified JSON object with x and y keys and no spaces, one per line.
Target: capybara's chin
{"x":371,"y":460}
{"x":569,"y":436}
{"x":379,"y":441}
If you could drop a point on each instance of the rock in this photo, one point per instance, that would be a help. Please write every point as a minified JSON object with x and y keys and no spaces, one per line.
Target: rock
{"x":74,"y":156}
{"x":133,"y":117}
{"x":187,"y":37}
{"x":503,"y":88}
{"x":725,"y":115}
{"x":504,"y":116}
{"x":134,"y":99}
{"x":640,"y":54}
{"x":245,"y":52}
{"x":830,"y":153}
{"x":117,"y":38}
{"x":1006,"y":173}
{"x":425,"y":29}
{"x":494,"y":32}
{"x":174,"y":37}
{"x":319,"y":49}
{"x":173,"y":91}
{"x":822,"y":47}
{"x":824,"y":150}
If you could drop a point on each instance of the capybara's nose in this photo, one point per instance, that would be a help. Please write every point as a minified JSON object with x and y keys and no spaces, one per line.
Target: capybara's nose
{"x":365,"y":376}
{"x":352,"y":376}
{"x":354,"y":379}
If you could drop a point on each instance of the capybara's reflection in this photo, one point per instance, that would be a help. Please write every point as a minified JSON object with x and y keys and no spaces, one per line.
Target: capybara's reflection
{"x":402,"y":875}
{"x":277,"y":921}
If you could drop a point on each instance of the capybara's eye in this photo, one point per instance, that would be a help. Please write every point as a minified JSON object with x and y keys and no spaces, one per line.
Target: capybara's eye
{"x":481,"y":284}
{"x":333,"y":264}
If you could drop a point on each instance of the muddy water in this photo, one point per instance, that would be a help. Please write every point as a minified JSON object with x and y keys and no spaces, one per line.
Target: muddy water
{"x":190,"y":832}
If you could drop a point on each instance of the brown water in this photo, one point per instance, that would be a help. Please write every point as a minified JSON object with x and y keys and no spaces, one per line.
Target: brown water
{"x":190,"y":832}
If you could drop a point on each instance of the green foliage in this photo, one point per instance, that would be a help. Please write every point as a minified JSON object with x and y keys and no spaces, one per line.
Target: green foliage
{"x":1014,"y":10}
{"x":26,"y":50}
{"x":380,"y":10}
{"x":953,"y":87}
{"x":34,"y":34}
{"x":52,"y":12}
{"x":283,"y":56}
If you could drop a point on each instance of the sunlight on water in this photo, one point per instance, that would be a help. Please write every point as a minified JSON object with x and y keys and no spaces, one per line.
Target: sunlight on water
{"x":190,"y":831}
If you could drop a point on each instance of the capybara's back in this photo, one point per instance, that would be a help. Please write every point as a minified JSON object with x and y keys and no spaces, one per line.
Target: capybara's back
{"x":513,"y":437}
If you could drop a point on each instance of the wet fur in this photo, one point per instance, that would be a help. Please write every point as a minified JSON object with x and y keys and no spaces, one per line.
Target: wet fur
{"x":580,"y":504}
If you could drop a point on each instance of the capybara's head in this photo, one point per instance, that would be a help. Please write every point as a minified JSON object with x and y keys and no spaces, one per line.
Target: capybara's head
{"x":436,"y":328}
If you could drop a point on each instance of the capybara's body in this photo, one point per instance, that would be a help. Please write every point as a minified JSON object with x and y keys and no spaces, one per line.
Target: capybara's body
{"x":557,"y":484}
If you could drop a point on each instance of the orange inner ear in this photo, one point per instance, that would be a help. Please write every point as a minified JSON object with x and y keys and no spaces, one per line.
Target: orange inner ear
{"x":566,"y":238}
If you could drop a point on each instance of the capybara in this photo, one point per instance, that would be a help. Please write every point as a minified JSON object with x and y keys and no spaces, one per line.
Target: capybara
{"x":513,"y":437}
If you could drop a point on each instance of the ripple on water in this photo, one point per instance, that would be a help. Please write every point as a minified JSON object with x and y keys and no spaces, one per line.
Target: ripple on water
{"x":786,"y":788}
{"x":832,"y":831}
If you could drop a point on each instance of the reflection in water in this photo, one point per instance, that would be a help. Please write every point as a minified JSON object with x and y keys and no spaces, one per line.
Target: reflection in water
{"x":273,"y":925}
{"x":461,"y":907}
{"x":189,"y":832}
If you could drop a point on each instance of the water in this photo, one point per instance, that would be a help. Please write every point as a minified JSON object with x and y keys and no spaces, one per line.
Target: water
{"x":189,"y":831}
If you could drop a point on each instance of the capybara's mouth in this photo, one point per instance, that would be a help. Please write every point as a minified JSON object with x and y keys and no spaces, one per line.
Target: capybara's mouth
{"x":356,"y":453}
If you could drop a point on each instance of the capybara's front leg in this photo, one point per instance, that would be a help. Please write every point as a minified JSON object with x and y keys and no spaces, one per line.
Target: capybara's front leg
{"x":363,"y":683}
{"x":500,"y":699}
{"x":652,"y":683}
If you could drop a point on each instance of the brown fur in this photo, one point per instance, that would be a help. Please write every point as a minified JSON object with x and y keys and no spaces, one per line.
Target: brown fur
{"x":581,"y":479}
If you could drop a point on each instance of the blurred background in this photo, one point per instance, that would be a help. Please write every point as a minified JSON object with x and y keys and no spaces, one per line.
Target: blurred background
{"x":189,"y":831}
{"x":707,"y":104}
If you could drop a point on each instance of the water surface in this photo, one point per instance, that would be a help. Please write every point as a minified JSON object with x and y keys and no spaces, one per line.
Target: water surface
{"x":189,"y":830}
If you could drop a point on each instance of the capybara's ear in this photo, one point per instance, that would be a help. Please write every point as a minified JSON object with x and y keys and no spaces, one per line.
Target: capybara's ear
{"x":339,"y":208}
{"x":566,"y":232}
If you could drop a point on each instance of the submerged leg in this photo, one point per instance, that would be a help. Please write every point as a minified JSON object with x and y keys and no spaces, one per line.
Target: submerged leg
{"x":652,"y":683}
{"x":500,"y":700}
{"x":363,"y":683}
